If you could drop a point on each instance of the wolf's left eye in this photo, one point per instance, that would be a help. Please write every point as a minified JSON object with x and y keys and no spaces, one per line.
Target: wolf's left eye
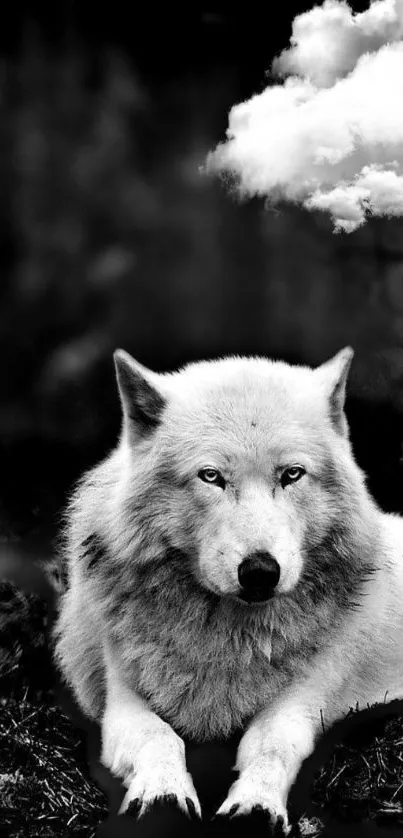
{"x":291,"y":475}
{"x":212,"y":476}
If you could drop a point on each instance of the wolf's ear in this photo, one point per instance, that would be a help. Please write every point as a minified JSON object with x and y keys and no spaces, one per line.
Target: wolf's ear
{"x":141,"y":399}
{"x":333,"y":377}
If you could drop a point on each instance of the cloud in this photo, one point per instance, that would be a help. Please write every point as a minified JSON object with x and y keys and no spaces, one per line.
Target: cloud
{"x":327,"y":41}
{"x":330,"y":136}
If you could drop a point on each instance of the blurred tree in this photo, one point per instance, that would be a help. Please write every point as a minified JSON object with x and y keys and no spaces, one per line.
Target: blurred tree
{"x":110,"y":236}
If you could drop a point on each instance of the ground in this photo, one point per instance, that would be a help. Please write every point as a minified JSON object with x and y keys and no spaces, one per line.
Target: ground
{"x":45,"y":781}
{"x":45,"y":785}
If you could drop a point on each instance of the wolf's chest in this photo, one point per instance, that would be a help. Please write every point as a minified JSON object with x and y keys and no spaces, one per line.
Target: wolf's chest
{"x":204,"y":696}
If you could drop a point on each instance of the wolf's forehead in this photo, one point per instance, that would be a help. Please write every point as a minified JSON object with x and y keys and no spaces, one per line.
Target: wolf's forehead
{"x":242,"y":415}
{"x":248,"y":396}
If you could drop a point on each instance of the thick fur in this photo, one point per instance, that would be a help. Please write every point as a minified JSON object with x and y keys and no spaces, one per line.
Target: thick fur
{"x":151,"y":635}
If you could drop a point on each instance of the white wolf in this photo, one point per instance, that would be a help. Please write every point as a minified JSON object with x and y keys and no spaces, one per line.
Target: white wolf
{"x":228,"y":570}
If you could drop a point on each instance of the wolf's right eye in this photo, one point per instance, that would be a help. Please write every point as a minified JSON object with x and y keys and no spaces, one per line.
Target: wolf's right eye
{"x":291,"y":475}
{"x":212,"y":475}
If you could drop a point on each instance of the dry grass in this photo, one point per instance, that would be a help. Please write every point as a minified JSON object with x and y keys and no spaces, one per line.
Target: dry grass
{"x":364,"y":778}
{"x":45,"y":786}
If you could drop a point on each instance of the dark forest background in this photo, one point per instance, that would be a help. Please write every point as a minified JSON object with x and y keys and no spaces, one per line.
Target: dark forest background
{"x":110,"y":236}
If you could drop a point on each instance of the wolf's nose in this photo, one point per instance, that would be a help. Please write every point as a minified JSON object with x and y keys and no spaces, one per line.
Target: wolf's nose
{"x":258,"y":575}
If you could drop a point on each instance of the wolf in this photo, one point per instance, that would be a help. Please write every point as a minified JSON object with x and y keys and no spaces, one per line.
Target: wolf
{"x":228,"y":571}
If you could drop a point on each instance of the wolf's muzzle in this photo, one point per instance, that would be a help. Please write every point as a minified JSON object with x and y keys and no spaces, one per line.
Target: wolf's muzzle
{"x":258,"y":576}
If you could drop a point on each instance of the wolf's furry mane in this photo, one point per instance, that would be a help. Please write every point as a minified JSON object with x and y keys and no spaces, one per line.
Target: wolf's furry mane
{"x":187,"y":638}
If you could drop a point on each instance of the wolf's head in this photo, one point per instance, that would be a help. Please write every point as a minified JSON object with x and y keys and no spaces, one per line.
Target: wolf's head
{"x":241,"y":465}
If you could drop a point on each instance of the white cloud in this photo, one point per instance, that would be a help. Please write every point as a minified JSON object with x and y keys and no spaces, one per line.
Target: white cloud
{"x":327,"y":41}
{"x":330,"y":137}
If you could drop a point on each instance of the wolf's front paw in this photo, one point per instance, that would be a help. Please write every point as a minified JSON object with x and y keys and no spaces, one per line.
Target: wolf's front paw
{"x":249,"y":796}
{"x":164,"y":784}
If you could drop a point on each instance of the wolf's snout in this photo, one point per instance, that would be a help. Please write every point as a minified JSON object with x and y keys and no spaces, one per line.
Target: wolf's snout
{"x":258,"y":575}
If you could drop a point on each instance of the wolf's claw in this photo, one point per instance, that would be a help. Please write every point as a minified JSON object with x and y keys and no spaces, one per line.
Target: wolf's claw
{"x":133,"y":808}
{"x":192,"y":809}
{"x":258,"y":817}
{"x":248,"y":798}
{"x":148,"y":789}
{"x":279,"y":828}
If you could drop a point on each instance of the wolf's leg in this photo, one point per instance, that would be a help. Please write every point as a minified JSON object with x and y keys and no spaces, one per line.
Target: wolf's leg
{"x":142,"y":749}
{"x":280,"y":738}
{"x":269,"y":757}
{"x":357,"y":667}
